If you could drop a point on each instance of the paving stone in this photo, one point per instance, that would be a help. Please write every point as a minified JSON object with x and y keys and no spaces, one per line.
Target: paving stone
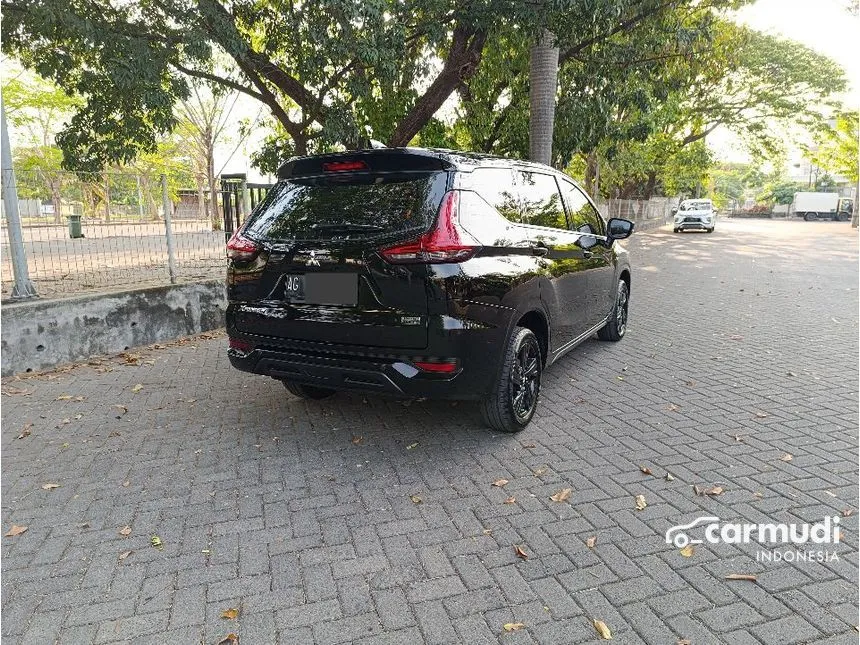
{"x":264,"y":503}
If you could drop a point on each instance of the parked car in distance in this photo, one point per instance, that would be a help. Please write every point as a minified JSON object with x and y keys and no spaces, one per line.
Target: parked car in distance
{"x":423,"y":273}
{"x":695,"y":215}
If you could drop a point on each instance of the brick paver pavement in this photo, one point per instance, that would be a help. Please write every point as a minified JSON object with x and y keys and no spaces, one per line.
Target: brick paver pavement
{"x":742,"y":350}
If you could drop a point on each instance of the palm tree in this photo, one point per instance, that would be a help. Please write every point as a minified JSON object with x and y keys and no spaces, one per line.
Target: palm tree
{"x":543,"y":81}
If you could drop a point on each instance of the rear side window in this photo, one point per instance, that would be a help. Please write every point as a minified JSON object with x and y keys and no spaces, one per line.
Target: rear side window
{"x":496,"y":186}
{"x":542,"y":205}
{"x":353,"y":206}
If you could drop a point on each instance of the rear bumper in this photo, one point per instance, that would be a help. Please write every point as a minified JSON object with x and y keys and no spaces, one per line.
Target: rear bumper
{"x":382,"y":370}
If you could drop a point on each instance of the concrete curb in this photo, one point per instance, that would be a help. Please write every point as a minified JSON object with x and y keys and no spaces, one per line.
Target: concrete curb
{"x":41,"y":334}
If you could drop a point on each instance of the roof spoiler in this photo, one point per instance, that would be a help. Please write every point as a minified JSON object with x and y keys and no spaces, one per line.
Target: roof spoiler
{"x":377,"y":160}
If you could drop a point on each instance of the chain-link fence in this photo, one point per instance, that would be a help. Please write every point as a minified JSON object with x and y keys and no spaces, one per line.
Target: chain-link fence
{"x":95,"y":233}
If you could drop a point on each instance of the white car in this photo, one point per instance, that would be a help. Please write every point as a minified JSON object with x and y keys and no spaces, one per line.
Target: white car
{"x":695,"y":215}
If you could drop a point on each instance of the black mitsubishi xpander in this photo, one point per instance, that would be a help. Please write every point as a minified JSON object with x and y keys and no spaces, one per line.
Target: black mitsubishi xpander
{"x":423,"y":273}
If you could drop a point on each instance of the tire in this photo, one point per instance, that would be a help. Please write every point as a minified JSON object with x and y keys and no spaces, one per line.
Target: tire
{"x":308,"y":391}
{"x":810,"y":216}
{"x":513,"y":401}
{"x":676,"y":230}
{"x":616,"y":326}
{"x":709,"y":230}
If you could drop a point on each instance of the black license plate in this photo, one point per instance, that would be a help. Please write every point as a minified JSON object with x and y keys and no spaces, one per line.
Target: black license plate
{"x":322,"y":288}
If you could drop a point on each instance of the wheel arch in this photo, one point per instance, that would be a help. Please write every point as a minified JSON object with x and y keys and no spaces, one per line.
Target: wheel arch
{"x":625,"y":275}
{"x":536,"y":321}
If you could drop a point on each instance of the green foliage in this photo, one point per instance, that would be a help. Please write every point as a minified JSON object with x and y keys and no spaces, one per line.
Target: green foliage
{"x":779,"y":192}
{"x":837,"y":146}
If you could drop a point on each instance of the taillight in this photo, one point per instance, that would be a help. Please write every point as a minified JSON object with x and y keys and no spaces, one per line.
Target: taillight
{"x":445,"y":242}
{"x":439,"y":367}
{"x":241,"y":249}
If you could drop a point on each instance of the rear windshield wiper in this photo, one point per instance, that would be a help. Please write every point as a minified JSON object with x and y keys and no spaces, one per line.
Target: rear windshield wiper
{"x":347,"y":227}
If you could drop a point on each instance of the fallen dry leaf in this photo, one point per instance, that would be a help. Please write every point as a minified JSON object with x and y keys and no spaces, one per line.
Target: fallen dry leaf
{"x":683,"y":641}
{"x":603,"y":630}
{"x":156,"y":542}
{"x":499,"y":483}
{"x":412,"y":446}
{"x":738,"y":438}
{"x":641,"y":503}
{"x":673,"y":408}
{"x":125,"y":531}
{"x":64,"y":397}
{"x":25,"y":431}
{"x":124,"y":555}
{"x":741,"y":576}
{"x":50,"y":486}
{"x":786,"y":457}
{"x":122,"y":410}
{"x":126,"y":484}
{"x":229,"y":639}
{"x":520,"y":553}
{"x":230,"y":614}
{"x":736,"y":337}
{"x":511,"y":500}
{"x":512,"y":627}
{"x":529,"y":445}
{"x":847,"y":512}
{"x":357,"y":440}
{"x":16,"y":530}
{"x":15,"y":391}
{"x":562,"y":495}
{"x":539,"y":471}
{"x":790,"y":374}
{"x":716,"y":490}
{"x":645,"y":470}
{"x":415,"y":499}
{"x":688,"y":551}
{"x":137,"y":388}
{"x":590,"y":542}
{"x":690,"y":383}
{"x":761,"y":415}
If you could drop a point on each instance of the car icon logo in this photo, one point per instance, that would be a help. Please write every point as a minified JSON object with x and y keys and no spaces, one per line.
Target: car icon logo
{"x":677,"y":536}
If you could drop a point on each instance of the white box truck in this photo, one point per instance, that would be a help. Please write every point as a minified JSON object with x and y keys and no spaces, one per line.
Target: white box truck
{"x":811,"y":206}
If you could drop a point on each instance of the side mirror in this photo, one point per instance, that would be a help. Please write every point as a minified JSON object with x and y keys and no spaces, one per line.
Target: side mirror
{"x":619,"y":229}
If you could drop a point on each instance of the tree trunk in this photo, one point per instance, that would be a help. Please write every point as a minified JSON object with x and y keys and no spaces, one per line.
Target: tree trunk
{"x":651,"y":184}
{"x":56,"y":201}
{"x":201,"y":198}
{"x":591,"y":174}
{"x":217,"y":223}
{"x":464,"y":56}
{"x":543,"y":83}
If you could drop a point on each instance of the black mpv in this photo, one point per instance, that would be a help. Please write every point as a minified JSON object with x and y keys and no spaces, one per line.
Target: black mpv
{"x":423,"y":273}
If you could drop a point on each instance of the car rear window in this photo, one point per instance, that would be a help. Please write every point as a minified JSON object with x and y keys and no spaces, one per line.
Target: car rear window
{"x":353,"y":206}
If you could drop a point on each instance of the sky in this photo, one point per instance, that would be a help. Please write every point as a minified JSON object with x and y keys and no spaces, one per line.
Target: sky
{"x":823,"y":25}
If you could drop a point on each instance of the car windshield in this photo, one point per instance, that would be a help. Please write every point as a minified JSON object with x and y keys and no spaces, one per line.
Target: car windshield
{"x":696,"y":206}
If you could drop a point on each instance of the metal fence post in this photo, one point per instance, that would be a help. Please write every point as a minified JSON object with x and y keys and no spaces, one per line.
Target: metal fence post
{"x":168,"y":230}
{"x":22,"y":288}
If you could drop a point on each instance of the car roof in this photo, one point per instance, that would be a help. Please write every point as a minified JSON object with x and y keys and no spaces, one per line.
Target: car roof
{"x":407,"y":158}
